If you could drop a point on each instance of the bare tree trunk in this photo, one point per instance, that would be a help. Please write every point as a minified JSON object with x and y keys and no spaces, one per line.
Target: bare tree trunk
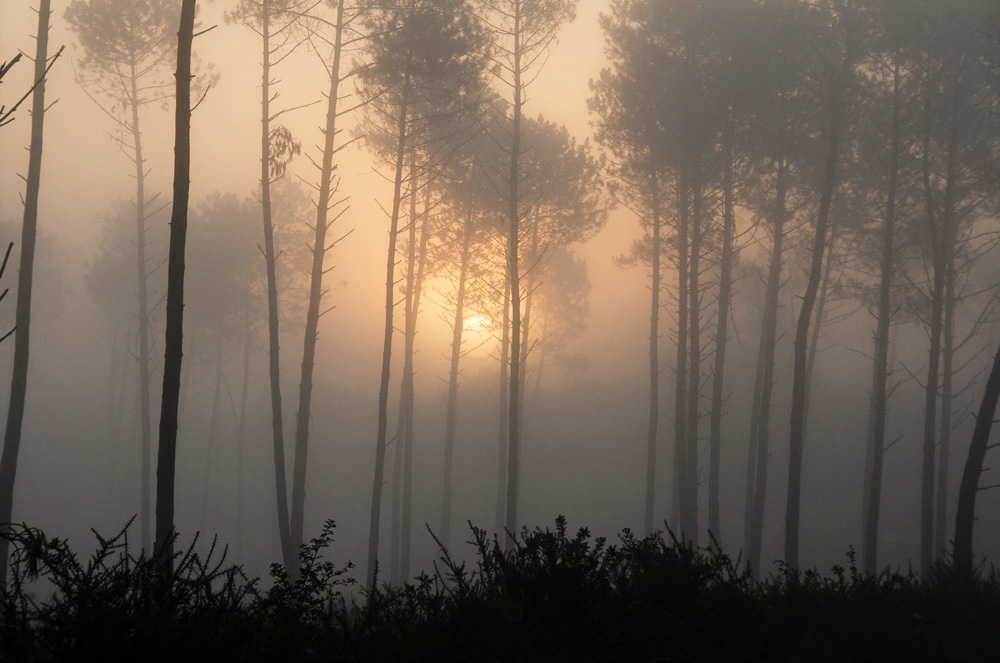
{"x":513,"y":441}
{"x":930,"y":425}
{"x":144,"y":359}
{"x":213,"y":428}
{"x":288,"y":549}
{"x":796,"y":439}
{"x":947,"y":397}
{"x":721,"y":336}
{"x":406,"y":389}
{"x":768,"y":334}
{"x":681,"y":492}
{"x":504,"y":400}
{"x":527,"y":343}
{"x":323,"y":205}
{"x":654,"y":358}
{"x":22,"y":313}
{"x":873,"y":481}
{"x":241,"y":421}
{"x":940,"y":236}
{"x":749,"y":497}
{"x":451,"y":408}
{"x":390,"y":282}
{"x":173,"y":346}
{"x":824,"y":293}
{"x":965,"y":516}
{"x":694,"y":372}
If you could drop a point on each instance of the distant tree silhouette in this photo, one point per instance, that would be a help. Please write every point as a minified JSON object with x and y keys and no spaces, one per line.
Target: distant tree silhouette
{"x":274,"y":21}
{"x":833,"y":72}
{"x":422,"y":54}
{"x":523,"y":31}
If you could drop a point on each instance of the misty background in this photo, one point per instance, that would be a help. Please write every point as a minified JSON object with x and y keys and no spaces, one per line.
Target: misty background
{"x":584,"y":426}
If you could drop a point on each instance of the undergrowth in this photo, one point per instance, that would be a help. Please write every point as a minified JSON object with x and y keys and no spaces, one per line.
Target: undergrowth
{"x":546,"y":595}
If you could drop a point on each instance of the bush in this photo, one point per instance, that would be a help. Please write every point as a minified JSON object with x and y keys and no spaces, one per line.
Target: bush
{"x":547,"y":596}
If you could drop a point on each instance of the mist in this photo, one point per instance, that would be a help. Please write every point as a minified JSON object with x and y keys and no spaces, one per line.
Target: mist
{"x":736,"y":105}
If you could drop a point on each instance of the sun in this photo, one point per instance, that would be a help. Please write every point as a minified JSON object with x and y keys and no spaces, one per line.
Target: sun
{"x":477,"y":327}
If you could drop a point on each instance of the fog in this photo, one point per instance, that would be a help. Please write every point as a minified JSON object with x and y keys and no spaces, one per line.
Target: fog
{"x":585,"y":418}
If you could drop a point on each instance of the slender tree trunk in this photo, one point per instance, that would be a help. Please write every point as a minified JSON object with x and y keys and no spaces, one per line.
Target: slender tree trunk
{"x":721,"y":336}
{"x":173,"y":346}
{"x":504,"y":401}
{"x":930,"y":425}
{"x":288,"y":548}
{"x":681,"y":492}
{"x":213,"y":427}
{"x":513,"y":441}
{"x":451,"y":408}
{"x":873,"y":481}
{"x":751,"y":467}
{"x":947,"y":396}
{"x":22,"y":313}
{"x":323,"y":204}
{"x":768,"y":334}
{"x":390,"y":282}
{"x":406,"y":397}
{"x":533,"y":261}
{"x":796,"y":439}
{"x":144,"y":359}
{"x":965,"y":516}
{"x":241,"y":421}
{"x":940,"y":226}
{"x":824,"y":293}
{"x":396,"y":516}
{"x":654,"y":358}
{"x":694,"y":370}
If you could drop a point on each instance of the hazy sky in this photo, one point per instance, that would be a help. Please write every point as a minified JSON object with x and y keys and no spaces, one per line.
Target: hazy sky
{"x":567,"y":460}
{"x":83,"y":170}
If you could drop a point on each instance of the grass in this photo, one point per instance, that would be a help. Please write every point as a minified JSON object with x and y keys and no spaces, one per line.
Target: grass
{"x":555,"y":596}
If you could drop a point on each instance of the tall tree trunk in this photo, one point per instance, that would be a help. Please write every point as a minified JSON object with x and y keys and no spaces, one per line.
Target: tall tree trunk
{"x":940,"y":227}
{"x":721,"y":336}
{"x":947,"y":396}
{"x":694,"y":370}
{"x":654,"y":358}
{"x":965,"y":516}
{"x":501,"y":503}
{"x":406,"y":399}
{"x":144,"y":359}
{"x":750,"y":484}
{"x":533,"y":262}
{"x":768,"y":334}
{"x":241,"y":421}
{"x":323,"y":204}
{"x":680,"y":378}
{"x":873,"y":481}
{"x":173,"y":345}
{"x":452,"y":406}
{"x":796,"y":439}
{"x":396,"y":508}
{"x":213,"y":426}
{"x":22,"y":312}
{"x":390,"y":282}
{"x":513,"y":441}
{"x":817,"y":328}
{"x":288,"y":548}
